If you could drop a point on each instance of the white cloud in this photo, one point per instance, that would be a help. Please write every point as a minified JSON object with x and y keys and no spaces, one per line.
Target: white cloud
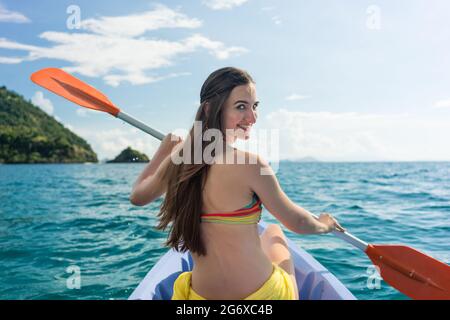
{"x":83,"y":112}
{"x":43,"y":103}
{"x":268,"y":8}
{"x":139,"y":78}
{"x":326,"y":136}
{"x":358,"y":137}
{"x":6,"y":44}
{"x":10,"y":60}
{"x":296,"y":96}
{"x":276,"y":20}
{"x":137,"y":24}
{"x":442,"y":104}
{"x":70,"y":127}
{"x":223,"y":4}
{"x":109,"y":143}
{"x":11,"y":16}
{"x":117,"y":56}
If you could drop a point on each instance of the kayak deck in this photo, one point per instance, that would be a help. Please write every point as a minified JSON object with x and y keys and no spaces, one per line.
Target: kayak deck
{"x":314,"y":281}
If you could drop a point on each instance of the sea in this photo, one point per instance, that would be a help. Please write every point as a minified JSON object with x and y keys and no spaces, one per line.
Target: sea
{"x":68,"y":231}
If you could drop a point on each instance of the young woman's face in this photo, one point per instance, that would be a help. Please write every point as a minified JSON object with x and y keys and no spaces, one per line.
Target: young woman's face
{"x":240,"y":112}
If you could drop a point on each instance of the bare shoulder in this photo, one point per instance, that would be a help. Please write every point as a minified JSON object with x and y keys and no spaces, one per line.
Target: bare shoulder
{"x":238,"y":166}
{"x":254,"y":162}
{"x":246,"y":157}
{"x":228,"y":185}
{"x":247,"y":165}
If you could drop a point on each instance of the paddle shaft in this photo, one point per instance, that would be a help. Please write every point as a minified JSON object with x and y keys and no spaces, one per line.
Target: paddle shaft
{"x":410,"y":271}
{"x":73,"y":89}
{"x":379,"y":258}
{"x":358,"y":243}
{"x":348,"y":237}
{"x":140,"y":125}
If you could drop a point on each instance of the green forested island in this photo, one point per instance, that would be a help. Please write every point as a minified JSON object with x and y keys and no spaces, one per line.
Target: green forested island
{"x":129,"y":155}
{"x":29,"y":135}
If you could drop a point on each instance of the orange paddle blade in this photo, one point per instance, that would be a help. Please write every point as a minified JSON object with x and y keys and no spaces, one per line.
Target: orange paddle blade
{"x":413,"y":273}
{"x":73,"y":89}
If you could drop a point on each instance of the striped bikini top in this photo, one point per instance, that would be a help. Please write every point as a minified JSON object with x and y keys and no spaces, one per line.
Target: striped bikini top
{"x":250,"y":214}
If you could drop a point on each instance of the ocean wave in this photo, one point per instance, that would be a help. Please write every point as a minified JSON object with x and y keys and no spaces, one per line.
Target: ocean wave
{"x":81,"y":215}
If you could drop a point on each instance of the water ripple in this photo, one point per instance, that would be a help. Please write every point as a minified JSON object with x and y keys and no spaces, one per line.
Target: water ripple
{"x":56,"y":216}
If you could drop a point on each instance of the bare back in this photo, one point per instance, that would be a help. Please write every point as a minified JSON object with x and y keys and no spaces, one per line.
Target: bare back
{"x":235,"y":265}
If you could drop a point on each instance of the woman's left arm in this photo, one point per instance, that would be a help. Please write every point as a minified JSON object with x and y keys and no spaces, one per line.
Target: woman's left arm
{"x":149,"y":185}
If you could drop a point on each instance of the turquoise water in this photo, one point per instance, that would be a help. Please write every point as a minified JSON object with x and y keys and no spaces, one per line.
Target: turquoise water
{"x":56,"y":216}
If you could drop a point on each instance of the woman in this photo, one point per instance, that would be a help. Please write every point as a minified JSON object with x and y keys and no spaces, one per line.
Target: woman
{"x":201,"y":206}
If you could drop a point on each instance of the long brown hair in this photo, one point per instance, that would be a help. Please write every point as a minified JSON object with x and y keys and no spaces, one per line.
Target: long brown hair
{"x":183,"y":203}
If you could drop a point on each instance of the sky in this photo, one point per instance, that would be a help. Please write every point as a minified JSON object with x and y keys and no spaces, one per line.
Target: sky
{"x":337,"y":80}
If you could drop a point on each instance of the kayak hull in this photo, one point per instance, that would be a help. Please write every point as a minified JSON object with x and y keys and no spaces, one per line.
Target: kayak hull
{"x":314,"y":281}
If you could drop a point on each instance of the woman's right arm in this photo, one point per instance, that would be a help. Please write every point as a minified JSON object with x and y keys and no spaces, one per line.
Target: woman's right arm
{"x":150,"y":185}
{"x":292,"y":216}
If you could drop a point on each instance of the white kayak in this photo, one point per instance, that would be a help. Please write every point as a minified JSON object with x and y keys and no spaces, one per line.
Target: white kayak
{"x":314,"y":281}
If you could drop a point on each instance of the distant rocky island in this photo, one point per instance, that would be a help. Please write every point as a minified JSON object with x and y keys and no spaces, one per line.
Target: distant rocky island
{"x":129,"y":155}
{"x":29,"y":135}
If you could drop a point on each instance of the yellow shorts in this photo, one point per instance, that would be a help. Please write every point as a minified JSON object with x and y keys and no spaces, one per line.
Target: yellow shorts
{"x":278,"y":287}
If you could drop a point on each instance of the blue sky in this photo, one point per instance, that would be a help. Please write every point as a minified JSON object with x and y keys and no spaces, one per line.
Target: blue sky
{"x":340,"y":80}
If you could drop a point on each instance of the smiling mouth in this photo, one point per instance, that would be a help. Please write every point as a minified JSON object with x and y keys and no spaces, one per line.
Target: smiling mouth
{"x":245,"y":128}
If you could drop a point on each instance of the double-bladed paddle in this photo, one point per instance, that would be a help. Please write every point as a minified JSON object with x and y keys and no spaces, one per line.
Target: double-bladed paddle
{"x":413,"y":273}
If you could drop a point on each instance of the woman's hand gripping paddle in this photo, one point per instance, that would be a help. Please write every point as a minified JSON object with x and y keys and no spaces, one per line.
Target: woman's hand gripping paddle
{"x":413,"y":273}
